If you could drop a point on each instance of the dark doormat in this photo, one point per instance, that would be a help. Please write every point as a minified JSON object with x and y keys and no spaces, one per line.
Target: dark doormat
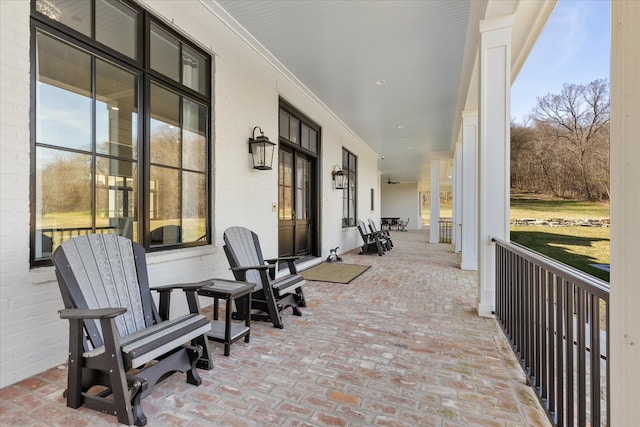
{"x":337,"y":272}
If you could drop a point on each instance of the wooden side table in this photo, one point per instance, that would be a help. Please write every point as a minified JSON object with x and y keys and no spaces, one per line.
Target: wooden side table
{"x":228,"y":331}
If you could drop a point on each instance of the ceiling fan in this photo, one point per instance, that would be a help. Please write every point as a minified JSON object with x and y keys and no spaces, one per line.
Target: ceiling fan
{"x":392,"y":182}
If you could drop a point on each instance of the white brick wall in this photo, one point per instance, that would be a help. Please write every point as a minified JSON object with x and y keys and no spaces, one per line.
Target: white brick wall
{"x":246,"y":92}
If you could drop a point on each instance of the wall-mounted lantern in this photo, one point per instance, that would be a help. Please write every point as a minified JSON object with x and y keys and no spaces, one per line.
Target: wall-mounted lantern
{"x":339,"y":178}
{"x":261,"y":150}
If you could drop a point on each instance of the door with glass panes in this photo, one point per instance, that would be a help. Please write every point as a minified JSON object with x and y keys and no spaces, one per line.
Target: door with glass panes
{"x":297,"y":186}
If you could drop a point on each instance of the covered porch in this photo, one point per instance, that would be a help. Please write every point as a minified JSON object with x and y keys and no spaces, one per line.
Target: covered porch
{"x":401,"y":345}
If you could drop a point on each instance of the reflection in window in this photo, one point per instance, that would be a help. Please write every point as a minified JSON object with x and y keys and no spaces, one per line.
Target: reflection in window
{"x":285,"y":175}
{"x":72,"y":13}
{"x":89,"y":160}
{"x":63,"y":202}
{"x":116,"y":26}
{"x":165,"y":53}
{"x":79,"y":191}
{"x":297,"y":132}
{"x":178,"y":144}
{"x":178,"y":61}
{"x":63,"y":110}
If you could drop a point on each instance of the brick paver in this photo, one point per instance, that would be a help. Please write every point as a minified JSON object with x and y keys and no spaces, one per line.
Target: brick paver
{"x":401,"y":345}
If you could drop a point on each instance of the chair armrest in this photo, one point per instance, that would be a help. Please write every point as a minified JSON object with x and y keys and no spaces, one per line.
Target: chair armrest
{"x":89,"y":313}
{"x":290,"y":260}
{"x":251,"y":267}
{"x":285,"y":259}
{"x":190,"y":290}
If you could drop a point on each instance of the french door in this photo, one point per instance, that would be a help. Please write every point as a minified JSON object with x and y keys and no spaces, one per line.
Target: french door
{"x":296,"y":213}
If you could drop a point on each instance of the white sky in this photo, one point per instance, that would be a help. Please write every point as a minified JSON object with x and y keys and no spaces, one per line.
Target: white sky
{"x":574,"y":47}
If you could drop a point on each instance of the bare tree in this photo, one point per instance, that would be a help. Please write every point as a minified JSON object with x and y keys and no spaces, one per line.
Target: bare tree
{"x":577,"y":121}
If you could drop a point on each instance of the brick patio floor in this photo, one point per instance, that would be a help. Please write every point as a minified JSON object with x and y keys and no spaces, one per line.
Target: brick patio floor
{"x":401,"y":345}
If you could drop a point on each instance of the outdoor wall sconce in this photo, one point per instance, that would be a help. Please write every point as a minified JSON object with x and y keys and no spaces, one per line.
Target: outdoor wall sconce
{"x":339,"y":178}
{"x":261,"y":150}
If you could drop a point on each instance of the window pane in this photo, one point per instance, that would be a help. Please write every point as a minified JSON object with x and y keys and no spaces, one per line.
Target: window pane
{"x":284,"y":124}
{"x":63,"y":199}
{"x":302,"y":190}
{"x":116,"y":111}
{"x":313,"y":140}
{"x":294,"y":129}
{"x":304,"y":137}
{"x":194,"y":206}
{"x":116,"y":26}
{"x":165,"y":127}
{"x":72,"y":13}
{"x":285,"y":196}
{"x":194,"y":70}
{"x":116,"y":197}
{"x":164,"y":206}
{"x":63,"y":94}
{"x":165,"y":53}
{"x":194,"y":136}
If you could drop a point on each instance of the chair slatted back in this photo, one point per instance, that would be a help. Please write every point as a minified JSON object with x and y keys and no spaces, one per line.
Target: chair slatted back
{"x":101,"y":271}
{"x":362,"y":228}
{"x":243,"y":250}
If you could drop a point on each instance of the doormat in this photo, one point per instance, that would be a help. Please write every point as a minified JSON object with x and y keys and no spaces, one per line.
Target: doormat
{"x":334,"y":272}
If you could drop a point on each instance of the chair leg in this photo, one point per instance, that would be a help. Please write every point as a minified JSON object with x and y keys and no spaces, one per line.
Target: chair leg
{"x":204,"y":360}
{"x":117,"y":377}
{"x":300,"y":297}
{"x":380,"y":248}
{"x":194,"y":354}
{"x":74,"y":373}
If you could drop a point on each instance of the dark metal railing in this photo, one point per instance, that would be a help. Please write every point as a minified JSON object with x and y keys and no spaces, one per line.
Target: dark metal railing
{"x":445,"y":225}
{"x":51,"y":238}
{"x":557,"y":320}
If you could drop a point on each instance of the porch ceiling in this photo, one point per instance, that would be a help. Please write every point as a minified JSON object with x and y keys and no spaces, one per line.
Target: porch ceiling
{"x":425,"y":52}
{"x":342,"y":50}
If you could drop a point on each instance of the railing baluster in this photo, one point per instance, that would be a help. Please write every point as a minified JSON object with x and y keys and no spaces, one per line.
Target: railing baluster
{"x":569,"y":353}
{"x":581,"y":348}
{"x":560,"y":393}
{"x":544,"y":331}
{"x":553,"y":351}
{"x":594,"y":337}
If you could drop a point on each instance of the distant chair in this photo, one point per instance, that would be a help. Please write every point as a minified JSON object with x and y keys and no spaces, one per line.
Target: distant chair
{"x":384,"y":235}
{"x":372,"y":241}
{"x":402,"y":225}
{"x":166,"y":234}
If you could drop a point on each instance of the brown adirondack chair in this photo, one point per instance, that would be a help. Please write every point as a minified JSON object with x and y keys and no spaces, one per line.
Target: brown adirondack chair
{"x":117,"y":338}
{"x":272,"y":294}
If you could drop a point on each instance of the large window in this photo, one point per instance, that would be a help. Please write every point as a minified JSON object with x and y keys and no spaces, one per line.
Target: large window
{"x":349,"y":194}
{"x":120,"y":136}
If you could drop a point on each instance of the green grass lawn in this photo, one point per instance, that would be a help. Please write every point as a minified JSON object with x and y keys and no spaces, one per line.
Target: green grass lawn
{"x":526,"y":206}
{"x":575,"y":246}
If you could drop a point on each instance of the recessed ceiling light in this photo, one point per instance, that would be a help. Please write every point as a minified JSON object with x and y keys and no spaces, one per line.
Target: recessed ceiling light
{"x":400,"y":126}
{"x":381,"y":82}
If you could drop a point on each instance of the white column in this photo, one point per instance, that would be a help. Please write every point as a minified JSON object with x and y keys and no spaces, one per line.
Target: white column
{"x":469,"y":209}
{"x":434,"y":206}
{"x":494,"y":115}
{"x":625,"y":211}
{"x":457,"y":199}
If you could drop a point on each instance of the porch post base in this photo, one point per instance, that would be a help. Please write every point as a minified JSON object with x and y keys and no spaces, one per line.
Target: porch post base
{"x":486,"y":310}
